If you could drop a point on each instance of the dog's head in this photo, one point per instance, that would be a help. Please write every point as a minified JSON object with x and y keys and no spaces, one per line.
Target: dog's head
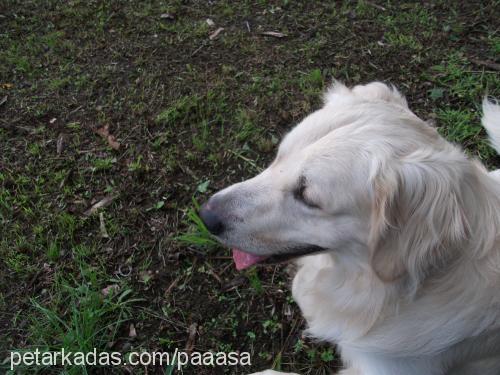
{"x":362,"y":177}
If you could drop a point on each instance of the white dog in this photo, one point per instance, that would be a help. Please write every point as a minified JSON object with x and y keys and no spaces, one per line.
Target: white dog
{"x":400,"y":228}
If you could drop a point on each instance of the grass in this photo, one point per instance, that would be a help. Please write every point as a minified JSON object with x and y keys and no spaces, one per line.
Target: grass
{"x":457,"y":82}
{"x":78,"y":318}
{"x":198,"y":236}
{"x":192,"y":115}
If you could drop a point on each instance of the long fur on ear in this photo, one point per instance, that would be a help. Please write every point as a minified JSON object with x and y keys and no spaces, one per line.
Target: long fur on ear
{"x":374,"y":91}
{"x":418,"y":214}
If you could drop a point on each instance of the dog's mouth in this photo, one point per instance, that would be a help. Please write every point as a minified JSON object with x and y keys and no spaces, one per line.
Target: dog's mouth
{"x":243,"y":259}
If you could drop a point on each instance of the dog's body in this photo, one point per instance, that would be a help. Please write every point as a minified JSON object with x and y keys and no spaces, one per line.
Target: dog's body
{"x":403,"y":230}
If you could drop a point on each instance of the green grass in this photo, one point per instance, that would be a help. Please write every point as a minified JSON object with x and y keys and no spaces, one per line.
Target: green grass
{"x":198,"y":235}
{"x":398,"y":40}
{"x":192,"y":115}
{"x":78,"y":318}
{"x":462,"y":82}
{"x":455,"y":80}
{"x":463,"y":127}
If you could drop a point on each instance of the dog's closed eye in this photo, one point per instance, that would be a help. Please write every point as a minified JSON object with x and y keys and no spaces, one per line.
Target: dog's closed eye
{"x":299,"y":193}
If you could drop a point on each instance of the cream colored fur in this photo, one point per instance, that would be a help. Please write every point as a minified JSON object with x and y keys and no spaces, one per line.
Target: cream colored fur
{"x":410,"y":281}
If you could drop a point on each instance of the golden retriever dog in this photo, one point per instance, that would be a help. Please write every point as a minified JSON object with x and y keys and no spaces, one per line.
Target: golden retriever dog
{"x":395,"y":231}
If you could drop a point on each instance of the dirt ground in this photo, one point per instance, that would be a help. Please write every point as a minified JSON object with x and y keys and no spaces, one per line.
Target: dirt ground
{"x":117,"y":117}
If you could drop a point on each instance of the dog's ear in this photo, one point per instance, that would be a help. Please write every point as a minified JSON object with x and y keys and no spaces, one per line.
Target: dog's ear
{"x":384,"y":258}
{"x":373,"y":91}
{"x":418,"y":217}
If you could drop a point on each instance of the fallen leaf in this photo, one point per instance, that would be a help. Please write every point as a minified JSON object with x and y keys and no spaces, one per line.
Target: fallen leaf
{"x":132,"y":332}
{"x":113,"y":144}
{"x":191,"y":337}
{"x":106,"y":201}
{"x":274,"y":34}
{"x":3,"y":100}
{"x":113,"y":288}
{"x":6,"y":86}
{"x":210,"y":22}
{"x":52,"y":120}
{"x":104,"y":133}
{"x":216,"y":33}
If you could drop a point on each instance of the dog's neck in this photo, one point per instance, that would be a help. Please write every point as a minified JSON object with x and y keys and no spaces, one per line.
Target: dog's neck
{"x":340,"y":297}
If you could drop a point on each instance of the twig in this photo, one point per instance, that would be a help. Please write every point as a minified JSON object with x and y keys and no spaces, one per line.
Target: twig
{"x":488,"y":64}
{"x":375,"y":5}
{"x":198,"y":49}
{"x":251,"y":162}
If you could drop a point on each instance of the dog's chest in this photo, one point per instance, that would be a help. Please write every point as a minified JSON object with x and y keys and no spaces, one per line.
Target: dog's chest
{"x":338,"y":303}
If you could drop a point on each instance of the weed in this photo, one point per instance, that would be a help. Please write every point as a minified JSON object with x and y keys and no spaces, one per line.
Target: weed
{"x":463,"y":127}
{"x":198,"y":235}
{"x":53,"y":251}
{"x":461,"y":82}
{"x":398,"y":40}
{"x":193,"y":115}
{"x":103,"y":164}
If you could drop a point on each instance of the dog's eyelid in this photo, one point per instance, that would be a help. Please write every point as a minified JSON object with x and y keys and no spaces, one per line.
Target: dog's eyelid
{"x":298,"y":193}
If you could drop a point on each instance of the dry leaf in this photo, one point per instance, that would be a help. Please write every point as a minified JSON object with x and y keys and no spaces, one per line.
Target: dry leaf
{"x":210,"y":22}
{"x":191,"y":337}
{"x":113,"y":288}
{"x":6,"y":86}
{"x":132,"y":332}
{"x":216,"y":33}
{"x":106,"y":201}
{"x":104,"y":132}
{"x":52,"y":120}
{"x":273,"y":34}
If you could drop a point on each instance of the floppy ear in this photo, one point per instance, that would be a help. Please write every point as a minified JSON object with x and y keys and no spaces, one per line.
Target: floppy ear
{"x":418,"y":218}
{"x":373,"y":91}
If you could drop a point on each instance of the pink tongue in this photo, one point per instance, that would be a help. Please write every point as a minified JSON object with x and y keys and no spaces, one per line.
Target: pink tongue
{"x":244,"y":260}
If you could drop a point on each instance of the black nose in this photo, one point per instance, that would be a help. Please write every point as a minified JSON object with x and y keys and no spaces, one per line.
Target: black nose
{"x":211,"y":220}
